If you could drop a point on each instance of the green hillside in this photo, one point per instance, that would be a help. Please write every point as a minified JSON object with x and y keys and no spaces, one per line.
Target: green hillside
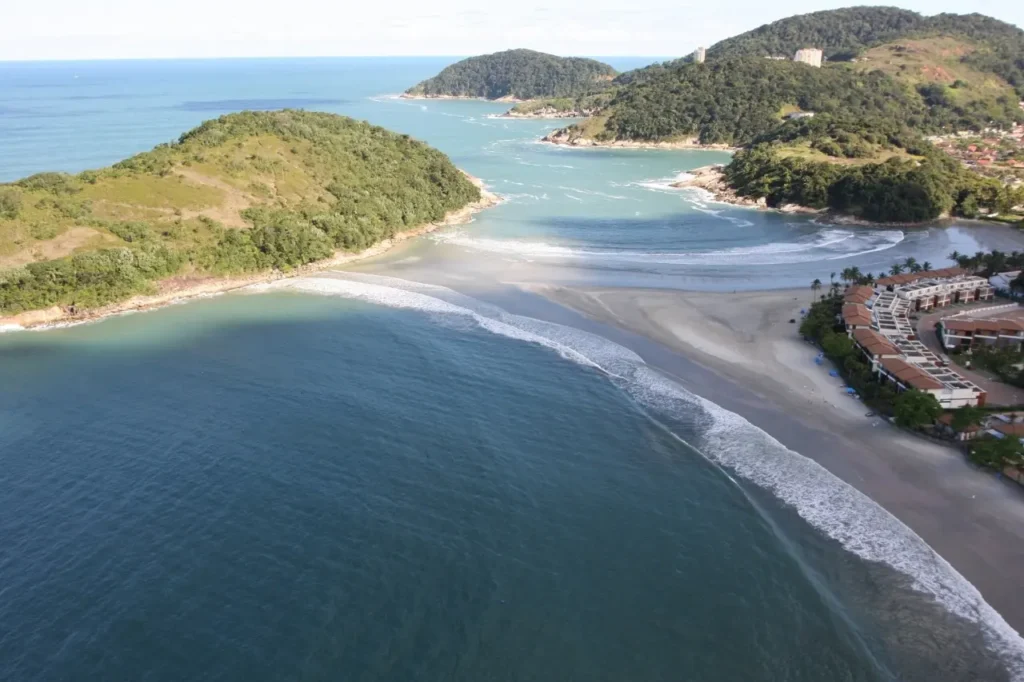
{"x":243,"y":193}
{"x":516,"y":74}
{"x":996,"y":47}
{"x":734,"y":100}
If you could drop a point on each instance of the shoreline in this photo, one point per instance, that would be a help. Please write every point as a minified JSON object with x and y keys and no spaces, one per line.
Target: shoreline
{"x":181,"y":288}
{"x":583,"y":142}
{"x":471,"y":98}
{"x":753,"y":362}
{"x":711,"y":179}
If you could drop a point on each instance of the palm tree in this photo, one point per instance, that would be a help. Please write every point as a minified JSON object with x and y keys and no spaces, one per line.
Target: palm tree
{"x":855,"y":274}
{"x":926,"y":266}
{"x":815,"y":287}
{"x":896,"y":269}
{"x":845,"y":275}
{"x":954,"y":256}
{"x":834,"y":290}
{"x":831,"y":277}
{"x":911,"y":263}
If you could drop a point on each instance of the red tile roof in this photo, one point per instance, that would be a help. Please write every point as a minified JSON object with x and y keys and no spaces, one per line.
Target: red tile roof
{"x":983,"y":325}
{"x":861,"y":293}
{"x":855,"y":314}
{"x":909,"y":277}
{"x":909,"y":375}
{"x":874,"y":343}
{"x":947,"y":419}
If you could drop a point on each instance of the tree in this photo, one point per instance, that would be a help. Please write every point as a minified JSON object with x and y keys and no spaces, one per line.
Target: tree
{"x":954,"y":256}
{"x":913,"y":409}
{"x":998,"y":453}
{"x":911,"y":264}
{"x":815,"y":288}
{"x":1017,"y":284}
{"x":926,"y":266}
{"x":896,"y":269}
{"x":968,"y":415}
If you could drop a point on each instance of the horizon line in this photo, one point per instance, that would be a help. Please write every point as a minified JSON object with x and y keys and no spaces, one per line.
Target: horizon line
{"x":240,"y":58}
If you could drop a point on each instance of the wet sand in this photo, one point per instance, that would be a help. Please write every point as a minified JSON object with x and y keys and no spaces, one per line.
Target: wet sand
{"x":759,"y":367}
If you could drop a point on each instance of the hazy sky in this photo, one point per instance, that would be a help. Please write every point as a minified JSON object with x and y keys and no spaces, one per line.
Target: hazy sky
{"x":105,"y":29}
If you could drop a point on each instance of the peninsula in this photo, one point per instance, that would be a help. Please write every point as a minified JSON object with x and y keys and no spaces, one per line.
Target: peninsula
{"x":852,"y":135}
{"x":515,"y":75}
{"x":243,"y":198}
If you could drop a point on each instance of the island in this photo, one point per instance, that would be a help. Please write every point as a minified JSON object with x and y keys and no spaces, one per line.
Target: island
{"x":854,"y":111}
{"x":244,"y":198}
{"x":515,"y":75}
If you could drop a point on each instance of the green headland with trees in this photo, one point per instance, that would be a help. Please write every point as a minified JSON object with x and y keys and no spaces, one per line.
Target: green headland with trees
{"x":516,"y":74}
{"x":895,"y":78}
{"x":245,"y":193}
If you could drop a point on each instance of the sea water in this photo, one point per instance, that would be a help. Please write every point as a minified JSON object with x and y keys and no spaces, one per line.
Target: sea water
{"x":369,"y":477}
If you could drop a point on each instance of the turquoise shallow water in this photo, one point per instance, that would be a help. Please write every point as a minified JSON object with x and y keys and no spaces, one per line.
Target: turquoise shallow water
{"x":394,"y":481}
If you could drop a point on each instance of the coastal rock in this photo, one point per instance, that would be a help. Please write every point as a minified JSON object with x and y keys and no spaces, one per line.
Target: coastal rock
{"x":712,"y":179}
{"x":570,"y":137}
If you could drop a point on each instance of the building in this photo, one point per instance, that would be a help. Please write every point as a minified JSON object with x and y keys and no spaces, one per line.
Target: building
{"x":938,"y":288}
{"x":799,"y":114}
{"x":945,"y":424}
{"x":808,"y":55}
{"x":959,"y":332}
{"x":699,"y":55}
{"x":1001,"y":281}
{"x":856,"y":316}
{"x":874,"y":346}
{"x":1004,"y":430}
{"x":878,"y":322}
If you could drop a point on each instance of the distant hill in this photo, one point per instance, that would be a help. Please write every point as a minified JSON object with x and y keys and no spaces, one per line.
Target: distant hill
{"x":516,"y":74}
{"x":843,"y":34}
{"x":733,"y":101}
{"x":243,"y":193}
{"x":838,"y":32}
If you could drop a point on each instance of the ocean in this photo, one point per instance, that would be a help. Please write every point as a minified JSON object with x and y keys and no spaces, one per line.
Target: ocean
{"x":389,"y":475}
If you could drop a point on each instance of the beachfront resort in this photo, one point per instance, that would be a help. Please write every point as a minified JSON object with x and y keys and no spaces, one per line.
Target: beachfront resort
{"x":880,"y":319}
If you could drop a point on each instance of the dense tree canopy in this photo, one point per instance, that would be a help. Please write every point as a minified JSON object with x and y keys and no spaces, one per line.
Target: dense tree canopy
{"x":520,"y":74}
{"x":844,"y":33}
{"x":313,"y":183}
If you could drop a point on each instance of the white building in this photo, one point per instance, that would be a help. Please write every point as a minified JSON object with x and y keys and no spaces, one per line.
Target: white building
{"x":699,"y":55}
{"x":808,"y":55}
{"x":1001,"y":281}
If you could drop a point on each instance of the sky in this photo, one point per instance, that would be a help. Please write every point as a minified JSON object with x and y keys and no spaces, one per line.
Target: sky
{"x":133,"y":29}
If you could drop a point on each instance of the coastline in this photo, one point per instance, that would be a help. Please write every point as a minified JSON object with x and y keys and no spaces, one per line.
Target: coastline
{"x":711,"y":179}
{"x":559,"y":137}
{"x":761,"y":369}
{"x":180,"y":288}
{"x":506,"y":98}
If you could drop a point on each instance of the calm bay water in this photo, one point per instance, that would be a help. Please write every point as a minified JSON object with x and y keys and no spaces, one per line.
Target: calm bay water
{"x":390,"y":480}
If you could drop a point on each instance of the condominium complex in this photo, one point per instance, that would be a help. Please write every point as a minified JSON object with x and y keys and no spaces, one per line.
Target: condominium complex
{"x":877,"y":318}
{"x":808,"y":55}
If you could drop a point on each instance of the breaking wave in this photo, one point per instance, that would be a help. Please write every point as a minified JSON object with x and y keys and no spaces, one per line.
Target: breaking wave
{"x":826,"y":244}
{"x":728,"y":440}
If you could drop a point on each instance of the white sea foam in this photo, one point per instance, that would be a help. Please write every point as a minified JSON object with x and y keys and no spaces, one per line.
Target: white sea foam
{"x":828,"y":244}
{"x":823,"y":500}
{"x":7,"y":328}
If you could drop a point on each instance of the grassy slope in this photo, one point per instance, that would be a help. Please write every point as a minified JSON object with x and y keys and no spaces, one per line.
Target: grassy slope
{"x":186,"y":197}
{"x":215,"y":183}
{"x":936,"y":59}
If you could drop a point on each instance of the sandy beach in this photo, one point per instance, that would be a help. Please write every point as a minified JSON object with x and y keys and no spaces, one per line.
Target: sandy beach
{"x":762,"y":369}
{"x":561,"y":137}
{"x":184,"y":287}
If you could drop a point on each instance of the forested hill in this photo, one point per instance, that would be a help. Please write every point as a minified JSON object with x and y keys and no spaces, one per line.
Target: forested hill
{"x":243,"y":193}
{"x":843,"y":34}
{"x":733,"y":101}
{"x":516,"y":74}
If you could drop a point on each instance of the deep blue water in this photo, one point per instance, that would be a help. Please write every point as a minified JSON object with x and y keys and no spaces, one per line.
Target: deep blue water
{"x":393,"y":481}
